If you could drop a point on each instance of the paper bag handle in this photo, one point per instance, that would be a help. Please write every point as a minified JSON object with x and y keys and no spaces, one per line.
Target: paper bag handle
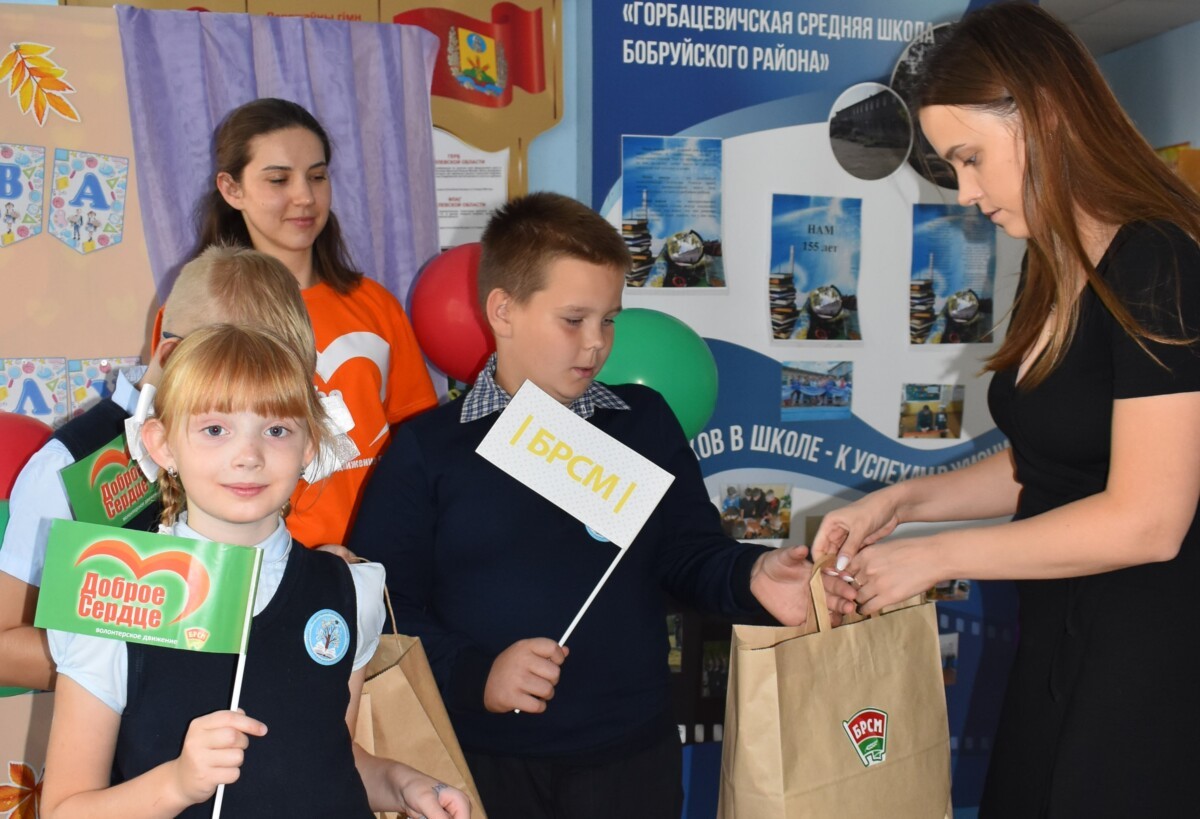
{"x":818,"y":599}
{"x":817,"y":588}
{"x":387,"y":598}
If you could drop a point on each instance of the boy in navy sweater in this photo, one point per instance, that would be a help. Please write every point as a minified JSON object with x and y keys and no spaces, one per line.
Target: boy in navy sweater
{"x":485,"y":570}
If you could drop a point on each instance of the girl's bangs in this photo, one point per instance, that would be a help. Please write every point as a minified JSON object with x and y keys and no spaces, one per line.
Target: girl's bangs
{"x":242,"y":374}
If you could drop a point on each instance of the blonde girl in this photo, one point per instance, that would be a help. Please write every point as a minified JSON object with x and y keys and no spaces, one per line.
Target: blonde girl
{"x":144,"y":731}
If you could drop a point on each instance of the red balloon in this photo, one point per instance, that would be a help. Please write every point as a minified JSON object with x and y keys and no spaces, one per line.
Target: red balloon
{"x":446,"y":317}
{"x":20,"y":437}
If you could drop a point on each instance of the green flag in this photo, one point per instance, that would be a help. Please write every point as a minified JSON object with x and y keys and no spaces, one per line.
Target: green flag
{"x":107,"y":486}
{"x":147,"y":588}
{"x":7,"y":692}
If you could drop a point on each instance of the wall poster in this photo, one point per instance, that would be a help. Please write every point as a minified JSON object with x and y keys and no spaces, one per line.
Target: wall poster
{"x":849,"y":278}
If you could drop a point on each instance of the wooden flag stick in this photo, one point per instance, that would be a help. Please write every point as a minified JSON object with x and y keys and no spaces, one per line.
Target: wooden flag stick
{"x":592,"y":596}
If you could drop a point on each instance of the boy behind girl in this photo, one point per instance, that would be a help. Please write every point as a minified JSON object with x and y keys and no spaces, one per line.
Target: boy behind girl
{"x":487,"y":573}
{"x":229,"y":285}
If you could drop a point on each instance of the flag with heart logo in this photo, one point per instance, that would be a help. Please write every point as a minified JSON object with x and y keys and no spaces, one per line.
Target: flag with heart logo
{"x":147,"y":588}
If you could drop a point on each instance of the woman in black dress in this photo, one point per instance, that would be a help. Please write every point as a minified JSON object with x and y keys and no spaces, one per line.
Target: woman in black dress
{"x":1097,"y":386}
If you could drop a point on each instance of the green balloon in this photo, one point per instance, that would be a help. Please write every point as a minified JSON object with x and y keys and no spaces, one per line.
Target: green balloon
{"x":660,"y":351}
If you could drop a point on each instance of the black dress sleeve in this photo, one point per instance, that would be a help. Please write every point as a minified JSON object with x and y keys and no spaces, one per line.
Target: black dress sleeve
{"x":1154,"y":270}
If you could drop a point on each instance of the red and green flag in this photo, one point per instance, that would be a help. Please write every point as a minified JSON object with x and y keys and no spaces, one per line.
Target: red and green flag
{"x":142,"y":587}
{"x":107,"y":486}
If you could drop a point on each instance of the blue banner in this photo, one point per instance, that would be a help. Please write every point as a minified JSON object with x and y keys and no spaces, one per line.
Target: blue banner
{"x":730,"y":68}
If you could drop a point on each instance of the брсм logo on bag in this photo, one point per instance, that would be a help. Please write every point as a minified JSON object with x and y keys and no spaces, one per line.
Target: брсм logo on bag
{"x":868,"y":733}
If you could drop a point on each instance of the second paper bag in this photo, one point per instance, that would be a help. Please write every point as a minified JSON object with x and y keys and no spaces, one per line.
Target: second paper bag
{"x":837,"y":722}
{"x":402,"y":716}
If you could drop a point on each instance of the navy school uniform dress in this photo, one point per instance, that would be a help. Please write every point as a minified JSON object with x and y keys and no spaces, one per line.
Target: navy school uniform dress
{"x":304,"y":766}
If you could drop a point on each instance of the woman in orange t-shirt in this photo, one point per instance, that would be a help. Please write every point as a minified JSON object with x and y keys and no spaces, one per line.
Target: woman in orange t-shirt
{"x":272,"y":192}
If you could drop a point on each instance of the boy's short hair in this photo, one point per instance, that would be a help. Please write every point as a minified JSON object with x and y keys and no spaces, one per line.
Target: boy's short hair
{"x":527,"y":234}
{"x":237,"y":285}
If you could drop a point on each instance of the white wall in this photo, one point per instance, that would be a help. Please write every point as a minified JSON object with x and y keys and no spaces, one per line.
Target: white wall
{"x":1155,"y":81}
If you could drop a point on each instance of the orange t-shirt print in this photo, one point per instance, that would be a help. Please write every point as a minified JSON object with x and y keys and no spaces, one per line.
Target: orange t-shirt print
{"x":367,"y":352}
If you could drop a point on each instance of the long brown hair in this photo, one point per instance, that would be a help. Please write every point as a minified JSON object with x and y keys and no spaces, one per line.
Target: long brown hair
{"x":1082,"y":153}
{"x":221,"y":224}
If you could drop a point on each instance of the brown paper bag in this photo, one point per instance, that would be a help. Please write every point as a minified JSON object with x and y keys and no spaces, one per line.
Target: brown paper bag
{"x":402,"y":717}
{"x":848,"y":721}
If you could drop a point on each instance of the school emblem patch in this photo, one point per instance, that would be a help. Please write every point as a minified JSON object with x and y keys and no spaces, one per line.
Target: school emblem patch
{"x":867,"y":731}
{"x":327,"y":637}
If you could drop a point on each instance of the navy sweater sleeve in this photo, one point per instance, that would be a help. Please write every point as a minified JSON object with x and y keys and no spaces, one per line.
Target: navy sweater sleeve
{"x":397,"y":526}
{"x":698,"y":564}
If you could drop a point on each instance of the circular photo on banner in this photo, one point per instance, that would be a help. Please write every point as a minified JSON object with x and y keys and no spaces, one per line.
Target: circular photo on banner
{"x":923,"y":158}
{"x":870,"y":131}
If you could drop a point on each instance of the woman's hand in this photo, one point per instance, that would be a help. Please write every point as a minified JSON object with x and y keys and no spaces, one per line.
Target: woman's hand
{"x":888,"y":573}
{"x":847,"y":530}
{"x":339,"y":550}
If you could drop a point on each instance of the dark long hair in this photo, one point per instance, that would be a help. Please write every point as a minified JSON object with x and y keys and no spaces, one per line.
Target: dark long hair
{"x":1082,"y":153}
{"x":221,"y":224}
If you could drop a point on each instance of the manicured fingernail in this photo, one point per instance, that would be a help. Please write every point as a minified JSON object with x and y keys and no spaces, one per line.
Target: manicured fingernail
{"x":842,"y":562}
{"x":847,"y":578}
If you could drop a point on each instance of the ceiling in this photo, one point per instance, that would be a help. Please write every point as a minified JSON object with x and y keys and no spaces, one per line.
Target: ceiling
{"x":1109,"y":25}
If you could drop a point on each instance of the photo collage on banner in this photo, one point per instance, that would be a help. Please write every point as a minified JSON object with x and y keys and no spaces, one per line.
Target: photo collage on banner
{"x":762,"y":512}
{"x":671,"y":218}
{"x":870,"y":131}
{"x":815,"y":243}
{"x":816,"y":390}
{"x":931,"y":411}
{"x":953,"y":275}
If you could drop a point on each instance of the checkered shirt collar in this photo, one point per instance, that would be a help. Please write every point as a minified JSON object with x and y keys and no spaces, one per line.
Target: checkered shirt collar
{"x":486,"y":397}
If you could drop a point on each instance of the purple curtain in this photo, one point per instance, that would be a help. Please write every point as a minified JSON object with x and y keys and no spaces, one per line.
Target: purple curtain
{"x":368,"y":85}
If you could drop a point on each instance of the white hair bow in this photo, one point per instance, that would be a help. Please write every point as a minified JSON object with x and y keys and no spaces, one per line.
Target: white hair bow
{"x":332,"y":454}
{"x":337,"y":449}
{"x":133,"y":433}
